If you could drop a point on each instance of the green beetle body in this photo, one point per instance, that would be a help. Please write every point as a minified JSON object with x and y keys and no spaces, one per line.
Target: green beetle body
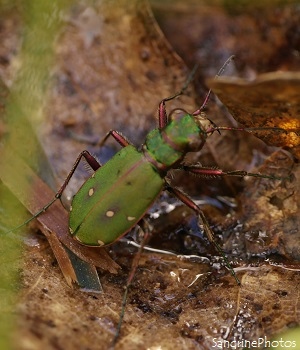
{"x":114,"y":198}
{"x":118,"y":194}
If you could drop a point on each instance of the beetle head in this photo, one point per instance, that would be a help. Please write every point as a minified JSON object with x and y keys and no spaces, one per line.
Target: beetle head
{"x":205,"y":125}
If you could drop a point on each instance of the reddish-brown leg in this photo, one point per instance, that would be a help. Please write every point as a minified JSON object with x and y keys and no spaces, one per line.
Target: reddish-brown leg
{"x":198,"y":170}
{"x":203,"y":222}
{"x":135,"y":263}
{"x":122,"y":140}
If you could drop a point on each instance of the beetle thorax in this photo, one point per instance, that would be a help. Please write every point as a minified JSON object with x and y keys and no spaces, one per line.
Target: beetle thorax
{"x":168,"y":146}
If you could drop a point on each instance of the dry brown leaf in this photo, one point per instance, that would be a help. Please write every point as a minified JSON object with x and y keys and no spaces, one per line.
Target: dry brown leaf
{"x":272,"y":100}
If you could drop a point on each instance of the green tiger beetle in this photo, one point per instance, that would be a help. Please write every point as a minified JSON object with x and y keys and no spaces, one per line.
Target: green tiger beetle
{"x":109,"y":203}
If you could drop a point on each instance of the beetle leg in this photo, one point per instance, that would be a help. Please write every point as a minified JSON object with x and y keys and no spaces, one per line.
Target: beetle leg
{"x":198,"y":170}
{"x":147,"y":229}
{"x":122,"y":140}
{"x":162,"y":113}
{"x":189,"y":202}
{"x":144,"y":225}
{"x":92,"y":162}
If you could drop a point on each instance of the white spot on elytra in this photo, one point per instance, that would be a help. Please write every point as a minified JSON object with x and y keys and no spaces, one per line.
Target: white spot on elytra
{"x":71,"y":231}
{"x":71,"y":208}
{"x":110,"y":213}
{"x":91,"y":191}
{"x":93,"y":175}
{"x":130,"y":218}
{"x":100,"y":243}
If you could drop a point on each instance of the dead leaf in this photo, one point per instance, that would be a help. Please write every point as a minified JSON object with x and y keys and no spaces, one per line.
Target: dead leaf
{"x":269,"y":101}
{"x":269,"y":224}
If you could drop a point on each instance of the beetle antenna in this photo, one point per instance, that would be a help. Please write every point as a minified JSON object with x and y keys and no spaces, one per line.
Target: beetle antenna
{"x":220,"y":72}
{"x":252,"y":129}
{"x":186,"y":84}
